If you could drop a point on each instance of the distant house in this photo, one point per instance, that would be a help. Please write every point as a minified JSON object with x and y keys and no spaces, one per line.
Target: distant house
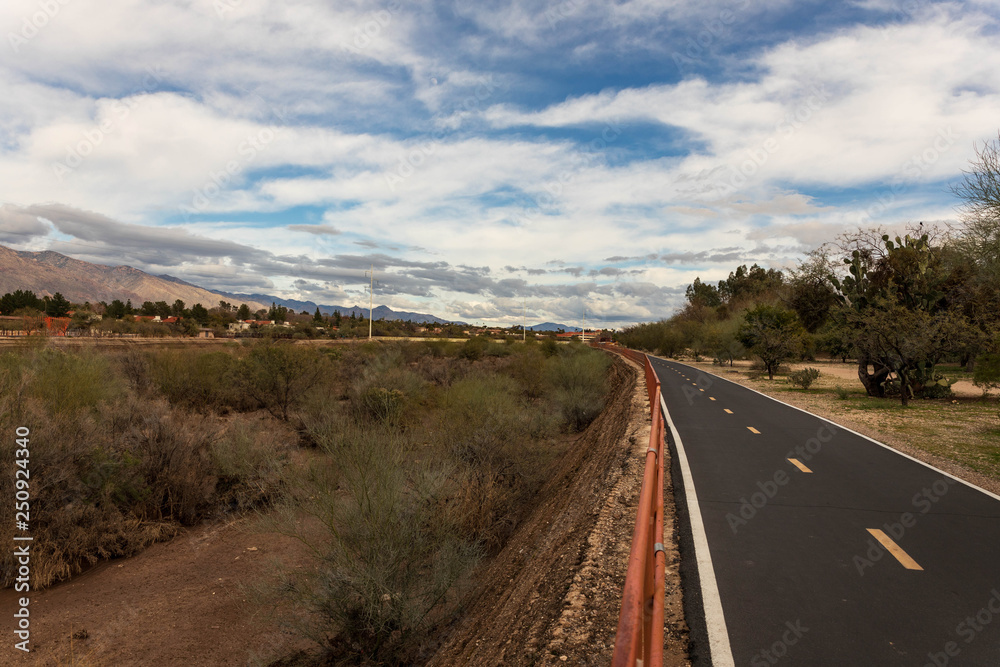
{"x":245,"y":325}
{"x":206,"y":333}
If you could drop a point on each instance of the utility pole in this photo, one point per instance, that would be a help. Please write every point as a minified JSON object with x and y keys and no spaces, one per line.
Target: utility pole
{"x":524,"y":320}
{"x":371,"y":298}
{"x":583,"y":336}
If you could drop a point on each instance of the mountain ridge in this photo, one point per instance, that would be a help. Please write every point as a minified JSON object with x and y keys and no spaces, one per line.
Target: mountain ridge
{"x":47,"y":272}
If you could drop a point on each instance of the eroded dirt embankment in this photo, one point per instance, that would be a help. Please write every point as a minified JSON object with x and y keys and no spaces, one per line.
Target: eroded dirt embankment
{"x":552,"y":595}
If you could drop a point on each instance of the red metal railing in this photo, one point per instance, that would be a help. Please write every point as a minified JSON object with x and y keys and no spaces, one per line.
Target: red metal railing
{"x":639,"y":640}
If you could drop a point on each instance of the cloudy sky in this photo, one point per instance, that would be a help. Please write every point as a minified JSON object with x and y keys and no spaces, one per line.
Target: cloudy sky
{"x":588,"y":155}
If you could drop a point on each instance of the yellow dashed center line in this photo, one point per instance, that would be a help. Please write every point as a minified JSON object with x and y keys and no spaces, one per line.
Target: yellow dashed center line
{"x":753,"y":430}
{"x":701,"y":390}
{"x":894,"y":549}
{"x":798,"y":464}
{"x":711,"y":398}
{"x":728,"y":410}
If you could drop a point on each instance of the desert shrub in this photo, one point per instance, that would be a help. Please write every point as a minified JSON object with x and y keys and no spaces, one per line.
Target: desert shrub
{"x":474,"y":348}
{"x":380,"y":404}
{"x":67,"y":382}
{"x":199,"y":380}
{"x":527,"y":368}
{"x":578,"y":380}
{"x":549,"y":347}
{"x":110,"y":472}
{"x":383,"y":560}
{"x":487,"y":431}
{"x":133,"y":365}
{"x":842,"y":394}
{"x":495,"y":349}
{"x":804,"y":378}
{"x":107,"y":482}
{"x":382,"y":390}
{"x":278,"y":375}
{"x":249,"y":463}
{"x":438,"y":348}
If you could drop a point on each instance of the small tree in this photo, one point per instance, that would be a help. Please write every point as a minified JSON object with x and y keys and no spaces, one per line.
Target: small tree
{"x":199,"y":313}
{"x":115,"y":310}
{"x":278,"y":375}
{"x":57,"y":306}
{"x":771,"y":333}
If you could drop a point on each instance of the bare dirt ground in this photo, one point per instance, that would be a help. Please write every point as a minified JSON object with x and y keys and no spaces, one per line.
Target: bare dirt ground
{"x":177,"y":603}
{"x":552,"y":595}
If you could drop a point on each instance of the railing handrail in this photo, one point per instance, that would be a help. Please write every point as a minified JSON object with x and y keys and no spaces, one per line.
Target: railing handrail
{"x":639,"y":639}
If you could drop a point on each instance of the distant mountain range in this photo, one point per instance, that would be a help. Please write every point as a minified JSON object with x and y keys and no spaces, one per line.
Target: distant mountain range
{"x":378,"y":313}
{"x":46,"y":273}
{"x":552,"y":326}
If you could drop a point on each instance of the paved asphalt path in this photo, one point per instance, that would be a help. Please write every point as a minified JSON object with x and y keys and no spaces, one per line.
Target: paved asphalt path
{"x":801,"y":576}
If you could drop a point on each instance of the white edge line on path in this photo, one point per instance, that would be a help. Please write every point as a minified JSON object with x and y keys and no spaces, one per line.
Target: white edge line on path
{"x":861,"y":435}
{"x":715,"y":620}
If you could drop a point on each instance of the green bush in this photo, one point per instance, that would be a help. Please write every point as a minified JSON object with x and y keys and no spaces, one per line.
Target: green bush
{"x":804,"y":378}
{"x":987,"y":372}
{"x":578,"y":381}
{"x":842,"y":394}
{"x":67,"y":382}
{"x":474,"y":348}
{"x":278,"y":375}
{"x":199,"y":381}
{"x":380,"y":404}
{"x":384,"y":559}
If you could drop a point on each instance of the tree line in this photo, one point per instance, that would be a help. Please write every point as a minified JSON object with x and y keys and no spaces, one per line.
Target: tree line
{"x":896,"y":305}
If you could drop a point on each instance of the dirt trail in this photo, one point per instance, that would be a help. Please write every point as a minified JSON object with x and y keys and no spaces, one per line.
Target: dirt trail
{"x":176,"y":603}
{"x":552,"y":595}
